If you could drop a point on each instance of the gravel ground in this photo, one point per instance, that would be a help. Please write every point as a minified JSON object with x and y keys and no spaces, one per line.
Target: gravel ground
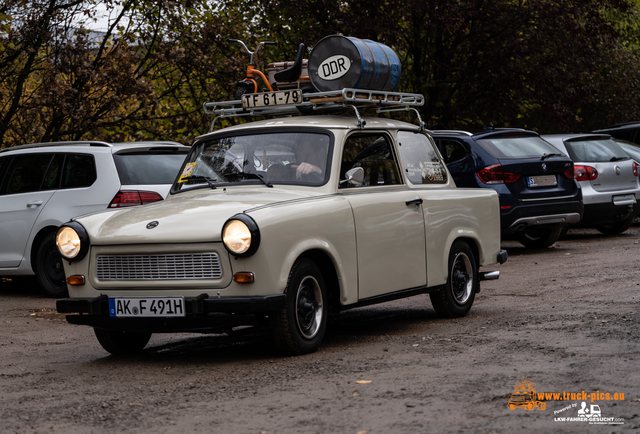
{"x":567,"y":318}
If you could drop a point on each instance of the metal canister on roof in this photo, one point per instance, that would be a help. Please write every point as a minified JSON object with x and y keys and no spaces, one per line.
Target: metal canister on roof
{"x":338,"y":62}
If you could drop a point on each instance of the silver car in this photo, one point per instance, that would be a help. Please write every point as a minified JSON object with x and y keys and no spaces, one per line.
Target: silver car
{"x":608,"y":178}
{"x":44,"y":185}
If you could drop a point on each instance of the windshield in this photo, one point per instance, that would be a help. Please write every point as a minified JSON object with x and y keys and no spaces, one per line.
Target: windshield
{"x":299,"y":158}
{"x":517,"y":147}
{"x":594,"y":151}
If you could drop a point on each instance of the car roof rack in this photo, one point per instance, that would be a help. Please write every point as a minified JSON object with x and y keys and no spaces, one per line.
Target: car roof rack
{"x":97,"y":143}
{"x":69,"y":143}
{"x":313,"y":103}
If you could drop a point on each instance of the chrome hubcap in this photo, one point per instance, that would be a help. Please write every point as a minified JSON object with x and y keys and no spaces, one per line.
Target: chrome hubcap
{"x":309,"y":307}
{"x":461,"y":278}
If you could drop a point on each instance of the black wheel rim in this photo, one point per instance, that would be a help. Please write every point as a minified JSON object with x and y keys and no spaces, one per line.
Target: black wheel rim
{"x":309,"y":307}
{"x":54,"y":269}
{"x":461,"y":278}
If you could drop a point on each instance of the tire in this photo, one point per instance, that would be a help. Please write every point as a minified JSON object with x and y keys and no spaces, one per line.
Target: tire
{"x":454,"y":300}
{"x":540,"y":237}
{"x":300,"y":327}
{"x":242,"y":87}
{"x":49,"y":269}
{"x":615,"y":228}
{"x":122,"y":343}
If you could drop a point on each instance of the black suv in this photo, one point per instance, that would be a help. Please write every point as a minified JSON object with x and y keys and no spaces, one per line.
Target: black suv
{"x":629,"y":131}
{"x":538,"y":193}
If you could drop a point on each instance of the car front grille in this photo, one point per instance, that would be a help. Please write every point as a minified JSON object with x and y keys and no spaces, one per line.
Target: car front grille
{"x":159,"y":267}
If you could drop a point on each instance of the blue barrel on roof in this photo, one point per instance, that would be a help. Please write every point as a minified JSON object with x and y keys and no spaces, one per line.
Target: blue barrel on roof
{"x":338,"y":62}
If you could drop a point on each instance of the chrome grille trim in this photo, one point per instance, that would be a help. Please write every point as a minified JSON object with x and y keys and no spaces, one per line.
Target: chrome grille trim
{"x":189,"y":266}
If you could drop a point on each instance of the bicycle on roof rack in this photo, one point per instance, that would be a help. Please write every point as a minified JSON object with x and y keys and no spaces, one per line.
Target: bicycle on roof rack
{"x":287,"y":77}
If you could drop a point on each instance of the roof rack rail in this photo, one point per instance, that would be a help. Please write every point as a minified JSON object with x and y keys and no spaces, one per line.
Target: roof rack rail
{"x":312,"y":103}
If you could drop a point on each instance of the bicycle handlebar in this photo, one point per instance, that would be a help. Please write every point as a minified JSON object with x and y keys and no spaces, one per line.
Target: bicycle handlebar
{"x":247,"y":48}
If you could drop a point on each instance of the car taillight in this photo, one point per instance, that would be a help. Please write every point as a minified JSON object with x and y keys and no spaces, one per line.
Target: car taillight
{"x":134,"y":198}
{"x":635,"y":168}
{"x":495,"y":175}
{"x":570,"y":173}
{"x":585,"y":173}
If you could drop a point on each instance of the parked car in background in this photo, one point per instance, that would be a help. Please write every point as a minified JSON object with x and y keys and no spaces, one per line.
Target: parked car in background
{"x":629,"y":131}
{"x":278,"y":223}
{"x":608,"y":178}
{"x":538,"y":195}
{"x":632,"y":149}
{"x":46,"y":184}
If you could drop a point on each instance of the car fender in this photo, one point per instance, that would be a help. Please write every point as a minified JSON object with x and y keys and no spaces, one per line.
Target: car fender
{"x":290,"y":230}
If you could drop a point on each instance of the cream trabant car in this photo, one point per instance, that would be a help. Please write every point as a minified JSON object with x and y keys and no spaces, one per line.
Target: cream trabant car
{"x":280,"y":222}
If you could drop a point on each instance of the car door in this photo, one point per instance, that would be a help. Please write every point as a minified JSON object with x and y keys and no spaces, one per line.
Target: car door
{"x":388,"y":218}
{"x":29,"y":182}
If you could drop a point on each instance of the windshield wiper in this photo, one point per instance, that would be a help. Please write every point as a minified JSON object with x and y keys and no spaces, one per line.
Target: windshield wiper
{"x":260,"y":177}
{"x":618,"y":158}
{"x":202,"y":178}
{"x":545,"y":156}
{"x":245,"y":175}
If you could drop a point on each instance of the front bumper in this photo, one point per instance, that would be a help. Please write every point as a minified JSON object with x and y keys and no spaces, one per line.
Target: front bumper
{"x":203,"y":314}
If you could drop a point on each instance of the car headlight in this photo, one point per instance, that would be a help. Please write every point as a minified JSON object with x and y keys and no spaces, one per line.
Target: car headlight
{"x":72,"y":241}
{"x":241,"y":236}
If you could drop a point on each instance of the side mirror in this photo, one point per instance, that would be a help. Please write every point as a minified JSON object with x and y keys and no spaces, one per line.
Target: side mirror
{"x":354,"y":177}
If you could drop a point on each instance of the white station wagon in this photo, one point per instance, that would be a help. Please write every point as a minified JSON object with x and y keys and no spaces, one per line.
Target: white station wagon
{"x":280,"y":222}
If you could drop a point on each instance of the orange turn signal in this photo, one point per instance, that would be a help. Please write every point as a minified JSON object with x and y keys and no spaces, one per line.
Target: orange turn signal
{"x":243,"y":277}
{"x":75,"y":280}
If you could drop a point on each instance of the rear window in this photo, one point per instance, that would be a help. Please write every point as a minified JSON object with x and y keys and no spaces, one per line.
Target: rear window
{"x":517,"y":147}
{"x":147,"y":168}
{"x":595,"y":151}
{"x":421,"y":162}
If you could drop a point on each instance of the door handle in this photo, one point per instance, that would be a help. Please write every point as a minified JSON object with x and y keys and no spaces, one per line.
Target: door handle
{"x":414,"y":202}
{"x":34,"y":204}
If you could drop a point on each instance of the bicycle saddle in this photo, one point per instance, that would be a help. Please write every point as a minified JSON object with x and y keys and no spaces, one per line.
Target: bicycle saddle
{"x":292,"y":74}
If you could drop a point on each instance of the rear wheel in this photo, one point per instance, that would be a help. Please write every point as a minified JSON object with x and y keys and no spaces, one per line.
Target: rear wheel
{"x":299,"y":328}
{"x":49,"y":269}
{"x":539,"y":237}
{"x":121,"y":343}
{"x":454,"y":300}
{"x":615,"y":228}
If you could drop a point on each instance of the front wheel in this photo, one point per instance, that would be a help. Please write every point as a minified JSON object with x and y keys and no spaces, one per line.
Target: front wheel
{"x":539,"y":237}
{"x":121,"y":343}
{"x":454,"y":300}
{"x":615,"y":228}
{"x":49,"y":269}
{"x":299,"y":328}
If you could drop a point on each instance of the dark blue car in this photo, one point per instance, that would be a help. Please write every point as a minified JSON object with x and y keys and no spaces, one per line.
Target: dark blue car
{"x":538,"y":194}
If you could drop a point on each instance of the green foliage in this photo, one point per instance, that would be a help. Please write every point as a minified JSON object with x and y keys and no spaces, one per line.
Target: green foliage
{"x":553,"y":66}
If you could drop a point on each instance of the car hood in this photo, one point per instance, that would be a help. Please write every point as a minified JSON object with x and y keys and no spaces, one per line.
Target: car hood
{"x":189,"y":217}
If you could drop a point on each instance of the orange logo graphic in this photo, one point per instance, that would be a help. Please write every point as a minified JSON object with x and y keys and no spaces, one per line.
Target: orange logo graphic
{"x":524,"y":396}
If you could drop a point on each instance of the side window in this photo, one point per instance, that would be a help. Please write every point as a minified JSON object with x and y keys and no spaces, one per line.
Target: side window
{"x":52,"y":177}
{"x":25,"y":174}
{"x":4,"y":165}
{"x":374,"y":154}
{"x":452,"y":150}
{"x":420,"y":159}
{"x":79,"y":171}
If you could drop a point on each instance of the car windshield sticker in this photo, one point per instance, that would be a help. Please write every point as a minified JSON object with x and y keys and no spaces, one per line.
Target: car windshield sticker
{"x":186,"y":173}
